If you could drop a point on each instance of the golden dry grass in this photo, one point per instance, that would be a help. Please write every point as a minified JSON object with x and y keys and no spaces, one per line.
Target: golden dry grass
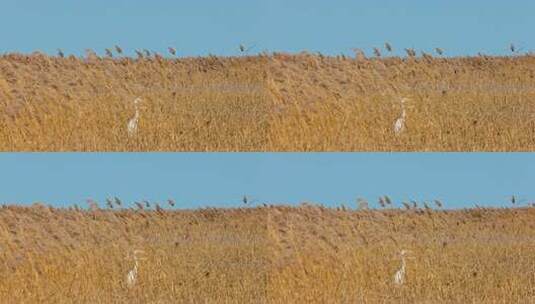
{"x":277,"y":102}
{"x":472,"y":256}
{"x":268,"y":254}
{"x":66,"y":256}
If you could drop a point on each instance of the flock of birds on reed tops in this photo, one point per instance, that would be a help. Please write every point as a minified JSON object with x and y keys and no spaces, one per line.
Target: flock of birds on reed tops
{"x":244,"y":49}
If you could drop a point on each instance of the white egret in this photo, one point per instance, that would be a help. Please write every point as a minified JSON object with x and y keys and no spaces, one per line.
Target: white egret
{"x":399,"y":125}
{"x":131,"y":276}
{"x":399,"y":277}
{"x":132,"y":123}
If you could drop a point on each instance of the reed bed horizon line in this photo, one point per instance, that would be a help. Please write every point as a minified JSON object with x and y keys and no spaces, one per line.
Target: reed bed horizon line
{"x":359,"y":205}
{"x":386,"y":50}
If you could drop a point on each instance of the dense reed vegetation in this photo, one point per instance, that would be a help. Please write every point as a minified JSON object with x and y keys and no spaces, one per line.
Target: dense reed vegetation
{"x":268,"y":102}
{"x":266,"y":255}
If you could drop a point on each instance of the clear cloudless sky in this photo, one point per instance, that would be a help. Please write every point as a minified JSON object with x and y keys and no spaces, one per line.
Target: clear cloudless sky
{"x":221,"y":179}
{"x":218,"y":27}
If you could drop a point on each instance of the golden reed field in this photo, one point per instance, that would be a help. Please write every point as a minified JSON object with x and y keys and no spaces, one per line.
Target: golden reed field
{"x":267,"y":102}
{"x":304,"y":254}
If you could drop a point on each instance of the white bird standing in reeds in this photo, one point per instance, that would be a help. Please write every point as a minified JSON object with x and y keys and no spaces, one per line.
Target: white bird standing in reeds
{"x":399,"y":125}
{"x":131,"y":276}
{"x":399,"y":277}
{"x":132,"y":123}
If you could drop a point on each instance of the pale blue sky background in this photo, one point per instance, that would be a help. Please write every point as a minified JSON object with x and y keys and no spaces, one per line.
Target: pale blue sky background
{"x":210,"y":26}
{"x":218,"y":27}
{"x":221,"y":179}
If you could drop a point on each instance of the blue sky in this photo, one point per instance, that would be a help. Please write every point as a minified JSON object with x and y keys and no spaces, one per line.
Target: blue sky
{"x":218,"y":27}
{"x":221,"y":179}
